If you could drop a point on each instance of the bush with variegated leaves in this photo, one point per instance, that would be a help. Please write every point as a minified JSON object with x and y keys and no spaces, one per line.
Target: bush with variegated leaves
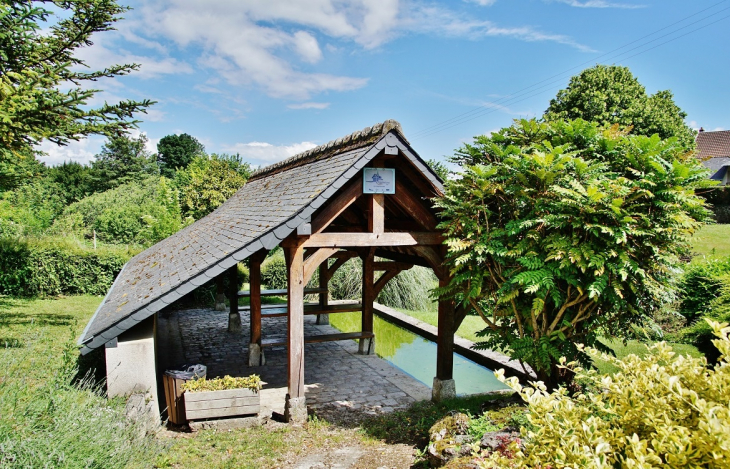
{"x":662,"y":410}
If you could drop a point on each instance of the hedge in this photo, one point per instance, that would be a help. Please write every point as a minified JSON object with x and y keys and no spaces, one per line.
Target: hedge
{"x":33,"y":267}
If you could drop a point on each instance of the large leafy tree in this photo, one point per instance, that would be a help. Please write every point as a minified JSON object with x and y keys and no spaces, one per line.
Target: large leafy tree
{"x":122,"y":159}
{"x":177,"y":152}
{"x":560,"y":232}
{"x":612,"y":95}
{"x":209,"y":181}
{"x":44,"y":88}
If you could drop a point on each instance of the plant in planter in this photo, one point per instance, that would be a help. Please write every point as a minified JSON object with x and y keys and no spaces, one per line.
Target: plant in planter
{"x":222,"y":397}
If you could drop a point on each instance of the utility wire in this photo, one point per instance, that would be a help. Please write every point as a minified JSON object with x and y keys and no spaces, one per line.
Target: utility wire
{"x":535,"y":89}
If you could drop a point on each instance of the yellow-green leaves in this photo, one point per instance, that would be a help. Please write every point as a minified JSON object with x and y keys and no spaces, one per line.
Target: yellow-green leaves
{"x":252,"y":382}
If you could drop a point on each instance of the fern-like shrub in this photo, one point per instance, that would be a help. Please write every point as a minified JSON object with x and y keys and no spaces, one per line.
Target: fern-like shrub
{"x":700,"y":333}
{"x":659,"y":411}
{"x":252,"y":382}
{"x":559,"y":232}
{"x":700,"y":285}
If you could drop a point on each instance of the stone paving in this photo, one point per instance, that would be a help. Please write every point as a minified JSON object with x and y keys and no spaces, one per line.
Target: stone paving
{"x":334,"y":373}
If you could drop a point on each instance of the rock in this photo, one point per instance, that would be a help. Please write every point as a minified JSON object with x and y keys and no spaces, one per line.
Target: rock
{"x":449,"y":439}
{"x":497,"y":441}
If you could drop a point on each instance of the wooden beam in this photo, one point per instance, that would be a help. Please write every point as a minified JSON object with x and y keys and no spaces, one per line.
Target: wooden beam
{"x":324,"y":297}
{"x":400,"y":257}
{"x":339,"y":263}
{"x":433,"y":257}
{"x":314,"y":261}
{"x":376,"y":214}
{"x":383,"y":280}
{"x":413,"y":206}
{"x":333,"y":240}
{"x":295,"y":331}
{"x":335,"y":207}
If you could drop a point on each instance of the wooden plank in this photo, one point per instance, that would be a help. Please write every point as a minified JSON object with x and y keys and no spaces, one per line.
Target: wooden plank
{"x":334,"y":240}
{"x":222,"y":394}
{"x":295,"y":330}
{"x":282,"y":292}
{"x":324,"y":280}
{"x":414,"y":206}
{"x":314,"y":261}
{"x":400,"y":257}
{"x":222,"y":403}
{"x":376,"y":214}
{"x":339,"y":263}
{"x":335,"y":207}
{"x":215,"y":413}
{"x":320,"y":338}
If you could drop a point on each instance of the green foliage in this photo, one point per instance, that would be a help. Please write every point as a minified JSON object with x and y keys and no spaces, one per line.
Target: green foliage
{"x":44,"y":92}
{"x":177,"y":152}
{"x":273,"y":271}
{"x":54,"y":267}
{"x":74,"y":178}
{"x":700,"y":333}
{"x":439,"y":168}
{"x":252,"y":382}
{"x":207,"y":182}
{"x":662,"y":410}
{"x":559,"y":232}
{"x":700,"y":286}
{"x":478,"y":426}
{"x":143,"y":212}
{"x":122,"y":160}
{"x":30,"y":208}
{"x":611,"y":95}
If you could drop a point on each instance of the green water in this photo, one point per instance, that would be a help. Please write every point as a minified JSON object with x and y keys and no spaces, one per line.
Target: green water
{"x":417,"y":356}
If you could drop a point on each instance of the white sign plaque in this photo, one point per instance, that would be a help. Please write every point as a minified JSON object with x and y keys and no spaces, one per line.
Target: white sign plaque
{"x":378,"y":181}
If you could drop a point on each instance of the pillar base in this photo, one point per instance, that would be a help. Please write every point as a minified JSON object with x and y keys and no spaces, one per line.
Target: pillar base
{"x":366,"y":346}
{"x":220,"y":302}
{"x":443,"y":389}
{"x":256,"y":355}
{"x":295,"y":409}
{"x":234,"y":323}
{"x":323,"y":319}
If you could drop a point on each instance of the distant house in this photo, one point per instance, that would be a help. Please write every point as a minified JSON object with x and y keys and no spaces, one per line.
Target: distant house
{"x":714,"y":152}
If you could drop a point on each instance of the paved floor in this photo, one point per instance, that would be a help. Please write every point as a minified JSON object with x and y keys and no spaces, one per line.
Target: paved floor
{"x":334,"y":374}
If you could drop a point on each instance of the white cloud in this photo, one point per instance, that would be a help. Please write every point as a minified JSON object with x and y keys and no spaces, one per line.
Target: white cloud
{"x":599,"y":4}
{"x":266,"y":153}
{"x":309,"y":105}
{"x":439,"y":21}
{"x":101,"y":55}
{"x":82,"y":151}
{"x":484,"y":3}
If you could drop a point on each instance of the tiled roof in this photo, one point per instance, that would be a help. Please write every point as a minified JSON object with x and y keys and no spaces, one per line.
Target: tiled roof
{"x":272,"y":204}
{"x":713,"y":144}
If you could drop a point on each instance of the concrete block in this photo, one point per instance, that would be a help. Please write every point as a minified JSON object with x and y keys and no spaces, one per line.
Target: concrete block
{"x":366,"y":346}
{"x":295,"y":409}
{"x":220,"y":302}
{"x":131,"y":364}
{"x":443,"y":389}
{"x":323,"y":319}
{"x":234,"y":323}
{"x":256,"y":355}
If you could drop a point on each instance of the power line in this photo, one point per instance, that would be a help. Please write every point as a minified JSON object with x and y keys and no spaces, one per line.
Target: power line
{"x":535,"y":88}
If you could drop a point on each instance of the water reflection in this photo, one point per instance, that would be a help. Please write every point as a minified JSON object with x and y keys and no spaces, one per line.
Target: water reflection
{"x":417,"y":356}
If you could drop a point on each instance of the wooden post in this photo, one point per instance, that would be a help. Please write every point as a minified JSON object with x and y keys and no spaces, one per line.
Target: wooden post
{"x":376,"y":218}
{"x":324,"y":281}
{"x":295,"y":409}
{"x":443,"y":384}
{"x":366,"y":346}
{"x":220,"y":294}
{"x":255,"y":352}
{"x":234,"y":317}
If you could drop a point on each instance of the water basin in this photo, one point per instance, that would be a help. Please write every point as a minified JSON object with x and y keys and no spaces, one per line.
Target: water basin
{"x":417,"y":356}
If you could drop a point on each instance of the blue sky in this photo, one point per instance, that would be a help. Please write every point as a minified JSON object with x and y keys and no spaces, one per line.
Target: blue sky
{"x":270,"y":78}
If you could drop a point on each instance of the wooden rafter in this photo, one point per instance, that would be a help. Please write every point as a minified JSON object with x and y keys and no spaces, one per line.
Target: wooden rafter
{"x":335,"y":207}
{"x":333,"y":240}
{"x":414,"y":207}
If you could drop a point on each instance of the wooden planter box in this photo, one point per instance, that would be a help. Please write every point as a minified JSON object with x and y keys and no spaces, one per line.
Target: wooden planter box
{"x":214,"y":404}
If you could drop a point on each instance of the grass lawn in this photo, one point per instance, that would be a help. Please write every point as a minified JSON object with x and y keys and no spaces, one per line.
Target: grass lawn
{"x":711,"y":241}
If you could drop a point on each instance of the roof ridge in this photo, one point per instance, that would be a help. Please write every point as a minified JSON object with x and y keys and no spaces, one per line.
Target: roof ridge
{"x":346,"y":143}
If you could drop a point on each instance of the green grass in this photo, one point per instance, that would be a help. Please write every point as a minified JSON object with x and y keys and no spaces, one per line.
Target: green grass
{"x":640,"y":349}
{"x":711,"y":241}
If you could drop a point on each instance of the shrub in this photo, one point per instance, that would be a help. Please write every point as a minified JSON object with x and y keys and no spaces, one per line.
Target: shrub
{"x":661,"y":410}
{"x":700,"y":333}
{"x":54,"y":267}
{"x":700,"y":285}
{"x":252,"y":382}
